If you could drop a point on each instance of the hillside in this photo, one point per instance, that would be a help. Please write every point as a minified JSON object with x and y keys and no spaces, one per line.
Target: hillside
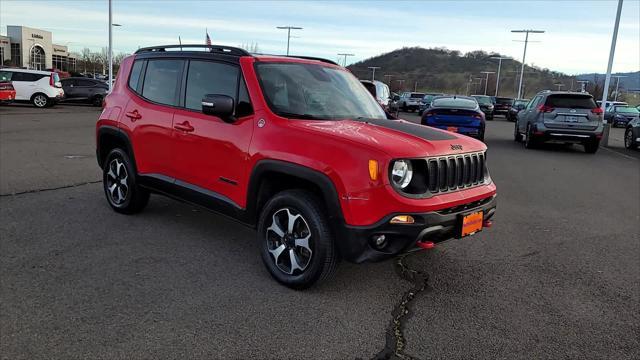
{"x":630,"y":81}
{"x":449,"y":71}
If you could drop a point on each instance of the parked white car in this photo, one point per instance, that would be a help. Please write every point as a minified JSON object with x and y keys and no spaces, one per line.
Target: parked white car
{"x":41,"y":88}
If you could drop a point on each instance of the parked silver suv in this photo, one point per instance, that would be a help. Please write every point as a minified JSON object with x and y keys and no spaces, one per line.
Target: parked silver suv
{"x":560,"y":116}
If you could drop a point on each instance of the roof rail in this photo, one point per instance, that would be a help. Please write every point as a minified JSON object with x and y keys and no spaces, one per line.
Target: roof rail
{"x":228,"y":50}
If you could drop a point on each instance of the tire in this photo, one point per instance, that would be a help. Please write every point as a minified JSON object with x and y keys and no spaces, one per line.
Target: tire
{"x":591,"y":146}
{"x":529,"y":142}
{"x":119,"y":182}
{"x":40,"y":100}
{"x":316,"y":258}
{"x":517,"y":137}
{"x":96,"y":101}
{"x":628,"y":140}
{"x":420,"y":112}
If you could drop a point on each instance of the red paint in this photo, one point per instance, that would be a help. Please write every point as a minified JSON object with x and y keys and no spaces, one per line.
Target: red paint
{"x":426,"y":245}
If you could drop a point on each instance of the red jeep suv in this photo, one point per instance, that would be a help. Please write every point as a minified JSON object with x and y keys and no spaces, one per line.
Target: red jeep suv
{"x":292,"y":146}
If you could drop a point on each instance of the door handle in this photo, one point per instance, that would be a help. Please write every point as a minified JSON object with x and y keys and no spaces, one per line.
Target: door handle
{"x":185,"y":126}
{"x":133,"y":115}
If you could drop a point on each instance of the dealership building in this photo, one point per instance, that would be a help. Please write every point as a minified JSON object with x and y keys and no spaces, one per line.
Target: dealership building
{"x":31,"y":48}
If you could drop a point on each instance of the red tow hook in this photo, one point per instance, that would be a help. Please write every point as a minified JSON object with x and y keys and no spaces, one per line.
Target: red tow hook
{"x":427,"y":245}
{"x":487,"y":223}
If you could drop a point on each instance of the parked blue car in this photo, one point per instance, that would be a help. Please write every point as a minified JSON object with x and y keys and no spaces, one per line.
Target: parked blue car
{"x":460,"y":114}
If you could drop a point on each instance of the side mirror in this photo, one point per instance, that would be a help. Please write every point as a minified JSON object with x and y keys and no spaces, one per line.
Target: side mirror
{"x":218,"y":105}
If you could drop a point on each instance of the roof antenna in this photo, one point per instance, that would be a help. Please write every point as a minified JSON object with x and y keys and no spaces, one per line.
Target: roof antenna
{"x":180,"y":41}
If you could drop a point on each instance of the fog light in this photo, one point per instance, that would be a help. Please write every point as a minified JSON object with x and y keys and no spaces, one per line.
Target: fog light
{"x":379,"y":241}
{"x":402,"y":219}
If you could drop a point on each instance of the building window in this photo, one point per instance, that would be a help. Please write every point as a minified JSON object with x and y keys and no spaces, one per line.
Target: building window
{"x":37,"y":58}
{"x":59,"y":62}
{"x":15,"y":55}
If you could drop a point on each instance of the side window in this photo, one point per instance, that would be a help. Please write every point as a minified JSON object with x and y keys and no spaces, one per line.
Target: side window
{"x":5,"y":75}
{"x":161,"y":81}
{"x":532,"y":103}
{"x":87,"y":83}
{"x":18,"y":76}
{"x":136,"y":69}
{"x":206,"y":77}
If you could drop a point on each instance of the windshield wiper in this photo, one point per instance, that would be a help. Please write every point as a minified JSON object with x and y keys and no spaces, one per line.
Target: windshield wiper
{"x":299,"y":116}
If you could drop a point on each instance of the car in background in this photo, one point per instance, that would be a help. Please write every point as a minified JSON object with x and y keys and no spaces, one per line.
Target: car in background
{"x":410,"y":101}
{"x":7,"y":92}
{"x":620,"y":115}
{"x":41,"y":88}
{"x":459,"y":114}
{"x":609,"y":104}
{"x":380,"y":92}
{"x":632,"y":134}
{"x":426,"y":102}
{"x":84,"y":90}
{"x":486,"y":105}
{"x":560,"y":116}
{"x":518,"y":105}
{"x":393,"y":102}
{"x":501,"y":105}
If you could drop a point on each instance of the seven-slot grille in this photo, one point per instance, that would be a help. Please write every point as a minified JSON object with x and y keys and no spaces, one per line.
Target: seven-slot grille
{"x":455,"y":172}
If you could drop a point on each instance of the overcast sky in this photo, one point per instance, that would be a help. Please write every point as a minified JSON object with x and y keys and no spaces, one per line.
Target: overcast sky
{"x":577,"y":38}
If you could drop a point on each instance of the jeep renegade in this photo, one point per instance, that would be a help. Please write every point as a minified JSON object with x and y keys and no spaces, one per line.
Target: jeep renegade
{"x":294,"y":147}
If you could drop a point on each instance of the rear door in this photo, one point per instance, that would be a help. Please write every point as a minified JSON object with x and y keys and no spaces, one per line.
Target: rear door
{"x":570,"y":111}
{"x":69,"y":85}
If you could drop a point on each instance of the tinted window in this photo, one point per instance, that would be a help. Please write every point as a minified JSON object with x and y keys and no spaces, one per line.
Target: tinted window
{"x":161,"y":81}
{"x":570,"y":101}
{"x":136,"y":70}
{"x":504,"y":101}
{"x":20,"y":76}
{"x":207,"y":77}
{"x":417,"y":95}
{"x":5,"y":75}
{"x":370,"y":87}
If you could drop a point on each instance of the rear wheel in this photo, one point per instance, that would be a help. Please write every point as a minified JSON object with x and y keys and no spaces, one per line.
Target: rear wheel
{"x":628,"y":140}
{"x":591,"y":146}
{"x":296,"y":242}
{"x":120,"y":184}
{"x":517,"y":137}
{"x":96,"y":101}
{"x":529,"y":141}
{"x":40,"y":100}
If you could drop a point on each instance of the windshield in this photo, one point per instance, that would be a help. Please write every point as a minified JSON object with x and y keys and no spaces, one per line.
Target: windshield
{"x":311,"y":91}
{"x":483,"y":100}
{"x":454,"y":103}
{"x":627,"y":110}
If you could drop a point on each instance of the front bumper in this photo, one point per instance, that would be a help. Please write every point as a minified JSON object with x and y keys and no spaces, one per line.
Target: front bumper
{"x":355,"y":243}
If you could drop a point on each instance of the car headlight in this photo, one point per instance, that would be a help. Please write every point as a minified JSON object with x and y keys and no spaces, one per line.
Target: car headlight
{"x":401,"y":173}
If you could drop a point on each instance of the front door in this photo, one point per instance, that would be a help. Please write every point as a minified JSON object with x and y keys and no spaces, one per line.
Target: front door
{"x":211,"y":154}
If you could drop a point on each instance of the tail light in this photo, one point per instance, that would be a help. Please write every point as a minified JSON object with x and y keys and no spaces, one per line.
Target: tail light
{"x":6,"y":86}
{"x":52,"y":81}
{"x":545,"y":108}
{"x":597,"y":111}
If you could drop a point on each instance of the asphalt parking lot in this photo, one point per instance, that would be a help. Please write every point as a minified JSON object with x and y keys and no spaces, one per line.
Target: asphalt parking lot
{"x":557,"y":276}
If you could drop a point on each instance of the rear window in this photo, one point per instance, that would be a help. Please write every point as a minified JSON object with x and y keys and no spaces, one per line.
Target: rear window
{"x":5,"y":75}
{"x":454,"y":103}
{"x":504,"y":101}
{"x":570,"y":101}
{"x":417,"y":95}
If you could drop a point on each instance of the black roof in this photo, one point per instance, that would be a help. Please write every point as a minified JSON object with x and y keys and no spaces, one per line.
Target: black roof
{"x":227,"y":52}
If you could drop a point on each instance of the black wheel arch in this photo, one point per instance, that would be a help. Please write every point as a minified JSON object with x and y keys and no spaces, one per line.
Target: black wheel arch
{"x":110,"y":137}
{"x":269,"y":177}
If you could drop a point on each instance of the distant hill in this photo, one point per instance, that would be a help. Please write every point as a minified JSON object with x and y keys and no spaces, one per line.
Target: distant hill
{"x":631,"y":81}
{"x":450,"y":71}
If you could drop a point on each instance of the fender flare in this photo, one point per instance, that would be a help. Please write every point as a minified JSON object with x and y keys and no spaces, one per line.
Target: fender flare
{"x":322,"y":181}
{"x":107,"y":130}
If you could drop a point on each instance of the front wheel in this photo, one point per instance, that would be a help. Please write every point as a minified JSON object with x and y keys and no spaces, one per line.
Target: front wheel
{"x":628,"y":140}
{"x":296,"y":242}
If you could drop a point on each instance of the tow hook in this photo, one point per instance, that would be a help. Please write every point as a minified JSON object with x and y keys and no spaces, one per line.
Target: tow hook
{"x":427,"y":245}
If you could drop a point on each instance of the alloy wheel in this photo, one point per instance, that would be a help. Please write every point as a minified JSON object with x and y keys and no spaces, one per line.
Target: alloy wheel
{"x":288,"y":243}
{"x":117,"y":181}
{"x":40,"y":101}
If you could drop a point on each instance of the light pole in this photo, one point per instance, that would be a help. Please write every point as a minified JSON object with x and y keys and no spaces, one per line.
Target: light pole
{"x":288,"y":28}
{"x":486,"y":82}
{"x":524,"y":55}
{"x":617,"y":84}
{"x":345,"y":58}
{"x":499,"y":58}
{"x":605,"y":92}
{"x":111,"y":25}
{"x":373,"y":71}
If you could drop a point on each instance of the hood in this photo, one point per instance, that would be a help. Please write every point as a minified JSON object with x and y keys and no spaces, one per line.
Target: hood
{"x":397,"y":138}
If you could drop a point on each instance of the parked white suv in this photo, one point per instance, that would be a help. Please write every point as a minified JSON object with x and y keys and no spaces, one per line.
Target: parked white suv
{"x":41,"y":88}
